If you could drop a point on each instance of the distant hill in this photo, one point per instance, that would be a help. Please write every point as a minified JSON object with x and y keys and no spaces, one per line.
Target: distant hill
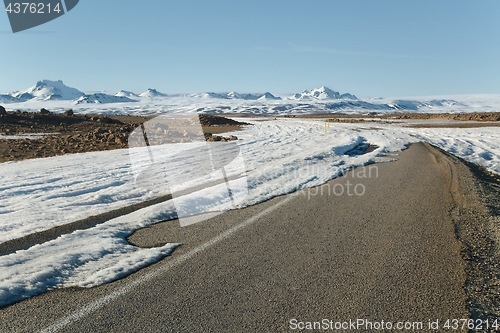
{"x":152,"y":93}
{"x":101,"y":98}
{"x":46,"y":90}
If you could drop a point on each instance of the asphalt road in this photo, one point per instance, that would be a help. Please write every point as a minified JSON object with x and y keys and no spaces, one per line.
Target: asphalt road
{"x":389,"y":254}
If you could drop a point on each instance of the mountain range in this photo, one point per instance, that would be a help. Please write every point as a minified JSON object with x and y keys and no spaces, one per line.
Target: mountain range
{"x":47,"y":90}
{"x":317,"y":100}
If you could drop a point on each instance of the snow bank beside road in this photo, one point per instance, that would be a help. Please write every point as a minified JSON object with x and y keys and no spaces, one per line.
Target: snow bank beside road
{"x":281,"y":156}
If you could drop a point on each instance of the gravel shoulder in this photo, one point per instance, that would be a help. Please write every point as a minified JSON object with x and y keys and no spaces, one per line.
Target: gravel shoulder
{"x":476,"y":217}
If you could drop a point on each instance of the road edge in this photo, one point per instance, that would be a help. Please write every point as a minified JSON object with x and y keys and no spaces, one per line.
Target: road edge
{"x":476,"y":217}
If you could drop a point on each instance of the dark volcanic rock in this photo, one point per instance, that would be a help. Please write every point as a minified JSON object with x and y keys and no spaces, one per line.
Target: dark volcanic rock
{"x":210,"y":120}
{"x":74,"y":133}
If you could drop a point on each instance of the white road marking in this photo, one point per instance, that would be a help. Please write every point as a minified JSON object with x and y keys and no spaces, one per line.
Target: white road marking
{"x":101,"y":302}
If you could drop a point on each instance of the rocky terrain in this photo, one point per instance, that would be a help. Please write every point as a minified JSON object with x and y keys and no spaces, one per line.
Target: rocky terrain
{"x":25,"y":135}
{"x":340,"y":117}
{"x":478,"y":116}
{"x":478,"y":119}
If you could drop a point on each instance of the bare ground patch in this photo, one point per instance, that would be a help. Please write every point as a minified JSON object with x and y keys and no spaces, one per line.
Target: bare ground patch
{"x":44,"y":134}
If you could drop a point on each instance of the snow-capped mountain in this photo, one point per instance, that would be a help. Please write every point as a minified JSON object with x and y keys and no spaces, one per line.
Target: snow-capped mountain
{"x":416,"y":105}
{"x":47,"y":90}
{"x":6,"y":98}
{"x":235,"y":95}
{"x":152,"y":93}
{"x":24,"y":96}
{"x":248,"y":97}
{"x":321,"y":94}
{"x":128,"y":94}
{"x":268,"y":96}
{"x":207,"y":95}
{"x":348,"y":96}
{"x":101,"y":98}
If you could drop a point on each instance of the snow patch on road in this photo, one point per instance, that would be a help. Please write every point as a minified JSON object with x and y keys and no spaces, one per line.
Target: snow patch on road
{"x":84,"y":258}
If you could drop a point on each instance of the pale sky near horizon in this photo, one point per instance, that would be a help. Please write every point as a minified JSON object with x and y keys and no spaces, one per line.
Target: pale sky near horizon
{"x":368,"y":48}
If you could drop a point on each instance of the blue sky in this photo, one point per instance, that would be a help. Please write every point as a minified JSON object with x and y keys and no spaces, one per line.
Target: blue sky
{"x":369,"y":48}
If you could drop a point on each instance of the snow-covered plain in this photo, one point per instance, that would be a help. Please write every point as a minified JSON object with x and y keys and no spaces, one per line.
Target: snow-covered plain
{"x":274,"y":107}
{"x":281,"y":156}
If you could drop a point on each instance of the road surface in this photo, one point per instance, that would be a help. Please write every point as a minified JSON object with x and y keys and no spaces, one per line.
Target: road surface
{"x":387,"y":254}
